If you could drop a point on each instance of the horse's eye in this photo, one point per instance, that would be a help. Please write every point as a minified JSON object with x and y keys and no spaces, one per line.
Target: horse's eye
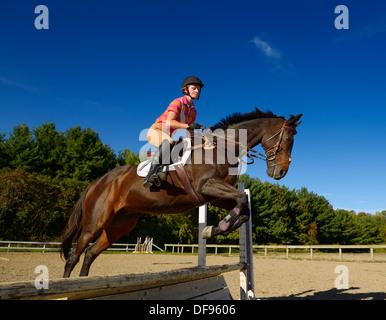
{"x":288,"y":138}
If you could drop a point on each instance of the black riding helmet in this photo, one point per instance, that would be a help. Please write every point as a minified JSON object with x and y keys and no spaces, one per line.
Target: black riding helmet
{"x":191,"y":80}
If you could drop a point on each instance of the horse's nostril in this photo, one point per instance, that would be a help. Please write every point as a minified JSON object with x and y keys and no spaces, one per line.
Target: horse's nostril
{"x":282,"y":173}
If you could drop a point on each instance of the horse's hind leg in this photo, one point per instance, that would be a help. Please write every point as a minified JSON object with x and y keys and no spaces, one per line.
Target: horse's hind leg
{"x":122,"y":224}
{"x":83,"y":241}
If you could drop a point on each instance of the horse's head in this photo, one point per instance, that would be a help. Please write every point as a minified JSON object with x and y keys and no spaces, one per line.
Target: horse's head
{"x":277,"y":143}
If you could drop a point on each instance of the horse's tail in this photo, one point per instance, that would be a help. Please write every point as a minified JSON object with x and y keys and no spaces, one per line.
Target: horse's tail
{"x":74,"y":225}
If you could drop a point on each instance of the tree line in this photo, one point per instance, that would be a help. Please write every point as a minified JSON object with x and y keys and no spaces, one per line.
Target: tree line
{"x":43,"y":172}
{"x":76,"y":153}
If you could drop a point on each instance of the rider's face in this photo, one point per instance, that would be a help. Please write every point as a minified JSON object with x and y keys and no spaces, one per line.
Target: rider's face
{"x":194,"y":90}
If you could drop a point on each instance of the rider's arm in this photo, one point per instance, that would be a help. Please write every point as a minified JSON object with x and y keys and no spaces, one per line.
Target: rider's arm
{"x":173,"y":124}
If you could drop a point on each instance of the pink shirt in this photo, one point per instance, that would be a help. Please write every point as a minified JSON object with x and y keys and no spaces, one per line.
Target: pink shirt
{"x":177,"y":106}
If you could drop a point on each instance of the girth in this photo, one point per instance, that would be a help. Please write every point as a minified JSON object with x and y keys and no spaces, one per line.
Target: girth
{"x":184,"y":179}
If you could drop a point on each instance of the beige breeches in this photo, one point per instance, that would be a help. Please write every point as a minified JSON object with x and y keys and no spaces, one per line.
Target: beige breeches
{"x":156,"y":135}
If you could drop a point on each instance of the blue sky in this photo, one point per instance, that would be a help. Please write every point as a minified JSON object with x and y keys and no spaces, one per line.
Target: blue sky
{"x":114,"y":66}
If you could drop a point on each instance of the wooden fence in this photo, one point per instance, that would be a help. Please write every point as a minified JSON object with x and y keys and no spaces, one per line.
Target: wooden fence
{"x":179,"y":248}
{"x":55,"y":246}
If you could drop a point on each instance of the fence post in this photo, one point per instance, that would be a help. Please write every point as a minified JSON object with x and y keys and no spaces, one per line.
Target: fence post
{"x":202,"y":220}
{"x":247,"y":285}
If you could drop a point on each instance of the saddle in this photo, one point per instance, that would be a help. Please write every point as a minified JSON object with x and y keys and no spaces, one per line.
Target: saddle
{"x":180,"y":156}
{"x":144,"y":167}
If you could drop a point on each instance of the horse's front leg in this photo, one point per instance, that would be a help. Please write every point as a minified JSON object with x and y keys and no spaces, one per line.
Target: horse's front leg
{"x":228,"y":196}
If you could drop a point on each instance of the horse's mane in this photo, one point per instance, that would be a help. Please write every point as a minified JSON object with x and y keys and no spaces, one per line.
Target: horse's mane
{"x":237,"y":117}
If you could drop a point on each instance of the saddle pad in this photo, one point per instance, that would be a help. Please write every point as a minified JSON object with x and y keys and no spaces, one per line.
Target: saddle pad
{"x":144,"y":167}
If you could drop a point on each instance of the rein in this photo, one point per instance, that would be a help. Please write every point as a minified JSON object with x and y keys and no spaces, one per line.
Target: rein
{"x":270,"y":154}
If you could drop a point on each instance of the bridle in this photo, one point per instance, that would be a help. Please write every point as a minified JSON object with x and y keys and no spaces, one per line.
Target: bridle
{"x":271,"y":152}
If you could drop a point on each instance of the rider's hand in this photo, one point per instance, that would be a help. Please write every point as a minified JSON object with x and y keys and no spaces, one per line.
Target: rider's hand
{"x":193,"y":126}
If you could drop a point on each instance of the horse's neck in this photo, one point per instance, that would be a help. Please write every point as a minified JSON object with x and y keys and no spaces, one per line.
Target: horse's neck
{"x":254,"y":130}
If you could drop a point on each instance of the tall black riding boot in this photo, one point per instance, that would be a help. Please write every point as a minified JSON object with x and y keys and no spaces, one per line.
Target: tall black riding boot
{"x":162,"y":153}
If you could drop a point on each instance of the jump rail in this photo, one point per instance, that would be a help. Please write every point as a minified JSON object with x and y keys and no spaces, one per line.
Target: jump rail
{"x":137,"y":285}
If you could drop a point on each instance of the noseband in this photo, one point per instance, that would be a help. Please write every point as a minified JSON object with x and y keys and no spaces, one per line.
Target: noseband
{"x":271,"y":152}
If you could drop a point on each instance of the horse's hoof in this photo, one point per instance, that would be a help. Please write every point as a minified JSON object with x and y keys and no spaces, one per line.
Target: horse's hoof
{"x":207,"y":232}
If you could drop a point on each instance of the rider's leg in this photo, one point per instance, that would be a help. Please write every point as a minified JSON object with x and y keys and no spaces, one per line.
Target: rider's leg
{"x":162,"y":156}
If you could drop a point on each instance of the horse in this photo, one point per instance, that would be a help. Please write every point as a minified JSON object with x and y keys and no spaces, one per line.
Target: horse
{"x":110,"y":206}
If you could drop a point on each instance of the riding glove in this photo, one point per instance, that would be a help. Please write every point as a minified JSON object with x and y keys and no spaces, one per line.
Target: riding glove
{"x":192,"y":126}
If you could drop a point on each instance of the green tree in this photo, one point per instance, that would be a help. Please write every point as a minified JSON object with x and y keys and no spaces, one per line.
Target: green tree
{"x":18,"y":148}
{"x":312,"y":210}
{"x":47,"y":150}
{"x":3,"y":151}
{"x":127,"y":157}
{"x":34,"y":207}
{"x":340,"y":228}
{"x":368,"y":228}
{"x":381,"y":219}
{"x":85,"y":157}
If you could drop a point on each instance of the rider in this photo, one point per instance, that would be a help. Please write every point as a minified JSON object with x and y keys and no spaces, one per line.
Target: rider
{"x":180,"y":114}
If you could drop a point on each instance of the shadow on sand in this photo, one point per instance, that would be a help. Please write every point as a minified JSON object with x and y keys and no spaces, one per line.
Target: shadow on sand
{"x":333,"y":294}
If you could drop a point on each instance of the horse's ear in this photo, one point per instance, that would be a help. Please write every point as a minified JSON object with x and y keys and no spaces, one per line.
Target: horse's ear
{"x":294,"y":120}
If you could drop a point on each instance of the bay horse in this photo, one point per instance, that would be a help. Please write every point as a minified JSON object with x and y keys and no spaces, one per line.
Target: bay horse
{"x":110,"y":206}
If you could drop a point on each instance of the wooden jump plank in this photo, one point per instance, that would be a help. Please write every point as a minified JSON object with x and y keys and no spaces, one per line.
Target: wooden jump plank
{"x":87,"y":287}
{"x":196,"y":289}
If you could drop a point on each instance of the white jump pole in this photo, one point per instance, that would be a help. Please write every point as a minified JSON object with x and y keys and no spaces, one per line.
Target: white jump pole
{"x":247,"y":284}
{"x":202,"y":220}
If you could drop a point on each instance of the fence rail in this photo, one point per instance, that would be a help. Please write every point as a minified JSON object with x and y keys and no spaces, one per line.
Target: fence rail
{"x":55,"y":246}
{"x":179,"y":248}
{"x":194,"y":246}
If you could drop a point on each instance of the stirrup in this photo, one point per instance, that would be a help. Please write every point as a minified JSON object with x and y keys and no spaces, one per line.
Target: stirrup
{"x":161,"y":176}
{"x":153,"y":179}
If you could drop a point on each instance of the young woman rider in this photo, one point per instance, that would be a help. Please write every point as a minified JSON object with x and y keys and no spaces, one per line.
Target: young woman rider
{"x":181,"y":114}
